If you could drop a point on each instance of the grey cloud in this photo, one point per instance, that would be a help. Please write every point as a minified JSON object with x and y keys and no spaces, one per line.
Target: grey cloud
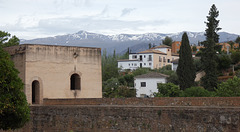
{"x":67,"y":25}
{"x":127,"y":11}
{"x":89,"y":23}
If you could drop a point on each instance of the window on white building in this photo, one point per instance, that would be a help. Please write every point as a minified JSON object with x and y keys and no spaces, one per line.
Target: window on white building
{"x":150,"y":64}
{"x":143,"y":84}
{"x":150,"y":58}
{"x":135,"y":64}
{"x":140,"y":57}
{"x":144,"y":64}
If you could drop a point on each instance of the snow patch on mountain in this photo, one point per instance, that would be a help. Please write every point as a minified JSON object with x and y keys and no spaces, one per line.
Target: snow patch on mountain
{"x":121,"y":42}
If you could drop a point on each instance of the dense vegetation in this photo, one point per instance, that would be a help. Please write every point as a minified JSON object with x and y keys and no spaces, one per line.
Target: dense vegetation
{"x":14,"y":110}
{"x":230,"y":88}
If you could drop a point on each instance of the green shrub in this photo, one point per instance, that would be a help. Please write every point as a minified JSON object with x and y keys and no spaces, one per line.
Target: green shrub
{"x":168,"y":90}
{"x":141,"y":71}
{"x":124,"y":91}
{"x":197,"y":92}
{"x":224,"y":61}
{"x":109,"y":87}
{"x":230,"y":88}
{"x":235,"y":56}
{"x":173,"y":78}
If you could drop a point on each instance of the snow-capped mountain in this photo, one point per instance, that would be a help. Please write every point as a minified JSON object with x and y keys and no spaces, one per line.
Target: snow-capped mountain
{"x":121,"y":42}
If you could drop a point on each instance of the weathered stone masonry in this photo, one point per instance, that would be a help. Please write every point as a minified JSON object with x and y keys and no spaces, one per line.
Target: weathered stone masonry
{"x":57,"y":72}
{"x":130,"y":117}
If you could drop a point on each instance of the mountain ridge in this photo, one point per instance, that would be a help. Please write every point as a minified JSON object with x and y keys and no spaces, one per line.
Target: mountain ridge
{"x":120,"y":42}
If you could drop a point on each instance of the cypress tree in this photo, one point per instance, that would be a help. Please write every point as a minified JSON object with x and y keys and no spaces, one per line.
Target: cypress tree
{"x":149,"y":46}
{"x":186,"y":70}
{"x":208,"y":57}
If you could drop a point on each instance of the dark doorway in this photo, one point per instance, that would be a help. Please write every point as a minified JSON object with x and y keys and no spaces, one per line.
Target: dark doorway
{"x":75,"y":82}
{"x":35,"y":92}
{"x":140,"y":57}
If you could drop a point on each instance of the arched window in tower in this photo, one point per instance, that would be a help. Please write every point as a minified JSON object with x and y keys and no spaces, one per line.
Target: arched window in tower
{"x":35,"y":92}
{"x":75,"y":82}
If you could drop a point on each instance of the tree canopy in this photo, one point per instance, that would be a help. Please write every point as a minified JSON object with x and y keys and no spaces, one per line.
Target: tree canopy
{"x":14,"y":110}
{"x":6,"y":41}
{"x":230,"y":88}
{"x":167,"y":41}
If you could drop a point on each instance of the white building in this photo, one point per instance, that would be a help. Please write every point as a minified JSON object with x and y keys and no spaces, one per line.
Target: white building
{"x":175,"y":65}
{"x":153,"y":58}
{"x":146,"y":84}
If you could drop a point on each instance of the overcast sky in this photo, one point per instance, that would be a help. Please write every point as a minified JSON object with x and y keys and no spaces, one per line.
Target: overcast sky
{"x":28,"y":19}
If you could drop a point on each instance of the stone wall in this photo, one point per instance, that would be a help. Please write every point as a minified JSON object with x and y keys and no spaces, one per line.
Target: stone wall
{"x":82,"y":118}
{"x":162,"y":101}
{"x":136,"y":114}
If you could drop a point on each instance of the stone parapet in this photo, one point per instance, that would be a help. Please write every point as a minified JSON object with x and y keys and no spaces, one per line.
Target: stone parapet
{"x":161,"y":101}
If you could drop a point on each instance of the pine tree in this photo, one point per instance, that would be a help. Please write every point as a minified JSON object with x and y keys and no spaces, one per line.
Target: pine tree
{"x":237,"y":40}
{"x":208,"y":58}
{"x":4,"y":36}
{"x":114,"y":54}
{"x":186,"y":70}
{"x":14,"y":110}
{"x":167,"y":41}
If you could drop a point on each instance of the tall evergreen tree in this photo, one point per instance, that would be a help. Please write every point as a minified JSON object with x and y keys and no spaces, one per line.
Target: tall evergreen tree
{"x":208,"y":57}
{"x":114,"y":54}
{"x":237,"y":40}
{"x":149,"y":46}
{"x":186,"y":71}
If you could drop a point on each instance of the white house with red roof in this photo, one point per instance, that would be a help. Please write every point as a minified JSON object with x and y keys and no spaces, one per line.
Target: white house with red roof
{"x":153,"y":58}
